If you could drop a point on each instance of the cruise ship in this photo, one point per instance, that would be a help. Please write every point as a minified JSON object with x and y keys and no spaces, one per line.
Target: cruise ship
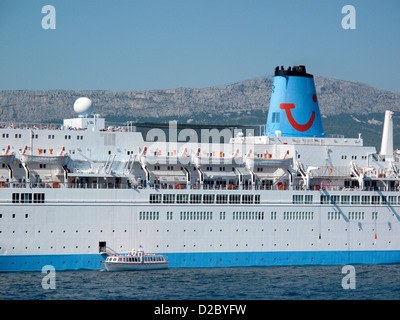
{"x":73,"y":194}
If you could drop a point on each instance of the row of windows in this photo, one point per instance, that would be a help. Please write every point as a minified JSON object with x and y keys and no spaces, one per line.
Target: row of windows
{"x":298,"y":215}
{"x":27,"y":198}
{"x":36,"y":136}
{"x":197,"y":215}
{"x":17,"y":135}
{"x":344,"y":157}
{"x":149,"y":215}
{"x":333,"y":215}
{"x":137,"y":259}
{"x":248,"y":215}
{"x":356,"y":216}
{"x":302,"y":199}
{"x":68,"y":137}
{"x":357,"y":200}
{"x":205,"y":198}
{"x":347,"y":199}
{"x":351,"y":215}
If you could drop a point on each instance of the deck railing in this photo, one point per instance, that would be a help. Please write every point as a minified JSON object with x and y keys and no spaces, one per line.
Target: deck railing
{"x":176,"y":186}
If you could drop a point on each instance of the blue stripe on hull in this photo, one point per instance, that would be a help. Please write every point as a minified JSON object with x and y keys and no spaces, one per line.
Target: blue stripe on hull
{"x":206,"y":260}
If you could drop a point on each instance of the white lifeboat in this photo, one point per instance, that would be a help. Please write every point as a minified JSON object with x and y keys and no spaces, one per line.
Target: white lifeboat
{"x":51,"y":158}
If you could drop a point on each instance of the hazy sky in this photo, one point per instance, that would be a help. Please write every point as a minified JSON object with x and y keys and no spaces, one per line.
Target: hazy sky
{"x":161,"y":44}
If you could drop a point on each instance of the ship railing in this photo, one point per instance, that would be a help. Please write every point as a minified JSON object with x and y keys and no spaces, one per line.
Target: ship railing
{"x":113,"y":127}
{"x":181,"y":186}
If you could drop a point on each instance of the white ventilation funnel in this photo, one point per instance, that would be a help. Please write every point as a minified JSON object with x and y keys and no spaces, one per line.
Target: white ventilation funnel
{"x":387,"y":136}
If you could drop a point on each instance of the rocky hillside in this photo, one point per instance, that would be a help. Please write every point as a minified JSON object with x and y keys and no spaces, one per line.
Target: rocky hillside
{"x":245,"y":102}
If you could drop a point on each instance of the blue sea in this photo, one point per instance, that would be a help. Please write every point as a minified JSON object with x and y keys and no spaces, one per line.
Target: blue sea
{"x":365,"y":282}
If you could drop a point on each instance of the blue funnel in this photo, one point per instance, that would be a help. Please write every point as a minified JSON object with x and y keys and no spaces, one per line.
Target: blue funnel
{"x":294,"y":110}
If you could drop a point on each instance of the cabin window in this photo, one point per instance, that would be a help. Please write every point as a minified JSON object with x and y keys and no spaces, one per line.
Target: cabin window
{"x":345,"y":200}
{"x":234,"y":198}
{"x":355,"y":199}
{"x":308,"y":199}
{"x":392,"y":199}
{"x":195,"y":198}
{"x":375,"y":200}
{"x":168,"y":198}
{"x":222,"y":198}
{"x":298,"y":199}
{"x":247,"y":199}
{"x":169,"y":215}
{"x":335,"y":199}
{"x":182,"y":198}
{"x":208,"y":198}
{"x":155,"y":198}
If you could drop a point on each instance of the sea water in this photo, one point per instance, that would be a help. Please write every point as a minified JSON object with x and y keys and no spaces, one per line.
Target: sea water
{"x":359,"y":282}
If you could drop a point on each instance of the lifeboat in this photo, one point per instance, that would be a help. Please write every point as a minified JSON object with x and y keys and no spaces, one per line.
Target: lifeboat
{"x":267,"y":161}
{"x":7,"y":158}
{"x":41,"y":158}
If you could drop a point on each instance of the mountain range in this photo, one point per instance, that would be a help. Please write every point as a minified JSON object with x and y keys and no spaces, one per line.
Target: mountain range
{"x":346,"y":107}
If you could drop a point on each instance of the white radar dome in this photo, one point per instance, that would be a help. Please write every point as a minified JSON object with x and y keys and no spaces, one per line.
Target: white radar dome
{"x":83,"y":106}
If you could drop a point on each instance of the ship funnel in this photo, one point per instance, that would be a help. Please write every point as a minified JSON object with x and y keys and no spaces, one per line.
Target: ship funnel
{"x":293,"y":109}
{"x":387,"y":136}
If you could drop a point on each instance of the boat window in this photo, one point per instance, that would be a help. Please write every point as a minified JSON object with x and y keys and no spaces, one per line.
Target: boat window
{"x":155,"y":198}
{"x":182,"y":198}
{"x":208,"y":198}
{"x":298,"y":199}
{"x":195,"y":198}
{"x":234,"y":198}
{"x":168,"y":198}
{"x":222,"y":198}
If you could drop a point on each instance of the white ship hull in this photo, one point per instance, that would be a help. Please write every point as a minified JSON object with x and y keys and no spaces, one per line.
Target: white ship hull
{"x":66,"y":232}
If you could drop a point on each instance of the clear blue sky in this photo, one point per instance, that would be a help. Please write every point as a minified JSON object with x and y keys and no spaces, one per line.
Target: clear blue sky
{"x":160,"y":44}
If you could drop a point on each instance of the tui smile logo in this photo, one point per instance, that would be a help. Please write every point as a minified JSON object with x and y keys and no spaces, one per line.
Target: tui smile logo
{"x":299,"y":127}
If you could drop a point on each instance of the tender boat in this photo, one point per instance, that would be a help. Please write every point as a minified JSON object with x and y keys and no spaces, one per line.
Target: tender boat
{"x":135,"y":261}
{"x":41,"y":158}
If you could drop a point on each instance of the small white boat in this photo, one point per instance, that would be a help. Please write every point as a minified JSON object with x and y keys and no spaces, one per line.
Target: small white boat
{"x":41,"y":158}
{"x":135,"y":261}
